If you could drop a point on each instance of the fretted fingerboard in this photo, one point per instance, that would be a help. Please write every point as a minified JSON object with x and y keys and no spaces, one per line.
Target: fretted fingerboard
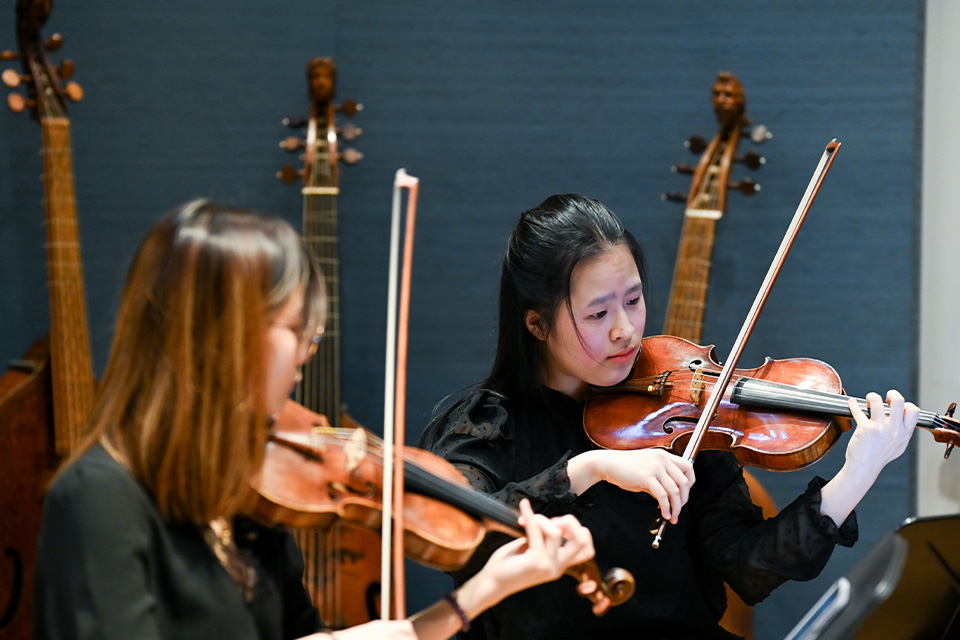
{"x":691,"y":278}
{"x":71,"y":362}
{"x":320,"y":388}
{"x":705,"y":205}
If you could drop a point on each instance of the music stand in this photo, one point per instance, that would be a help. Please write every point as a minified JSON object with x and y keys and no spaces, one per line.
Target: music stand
{"x":841,"y":611}
{"x":926,"y":602}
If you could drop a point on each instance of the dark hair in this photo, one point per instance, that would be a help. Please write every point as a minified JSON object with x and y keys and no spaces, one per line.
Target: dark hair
{"x":545,"y":246}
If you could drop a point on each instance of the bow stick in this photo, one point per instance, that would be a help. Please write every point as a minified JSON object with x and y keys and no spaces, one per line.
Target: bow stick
{"x":394,"y":396}
{"x":713,"y":402}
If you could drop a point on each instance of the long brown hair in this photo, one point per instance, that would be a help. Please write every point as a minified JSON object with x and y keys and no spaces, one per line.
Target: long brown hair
{"x":181,"y":401}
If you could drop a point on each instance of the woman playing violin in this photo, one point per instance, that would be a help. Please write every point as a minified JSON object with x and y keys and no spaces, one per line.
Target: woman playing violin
{"x":571,"y":316}
{"x":145,"y":532}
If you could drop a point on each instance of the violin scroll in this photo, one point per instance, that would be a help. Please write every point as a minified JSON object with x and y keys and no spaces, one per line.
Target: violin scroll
{"x":614,"y":588}
{"x":948,"y":434}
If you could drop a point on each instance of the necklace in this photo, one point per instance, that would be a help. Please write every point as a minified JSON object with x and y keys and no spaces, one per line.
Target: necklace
{"x":219,"y":537}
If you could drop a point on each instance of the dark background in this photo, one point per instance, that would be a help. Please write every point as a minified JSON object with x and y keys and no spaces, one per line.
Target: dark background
{"x":495,"y":106}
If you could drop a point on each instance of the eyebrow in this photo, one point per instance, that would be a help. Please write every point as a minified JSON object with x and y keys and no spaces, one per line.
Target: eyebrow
{"x":606,"y":298}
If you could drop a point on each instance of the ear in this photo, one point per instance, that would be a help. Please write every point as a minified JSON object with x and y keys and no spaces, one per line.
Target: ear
{"x":533,"y":323}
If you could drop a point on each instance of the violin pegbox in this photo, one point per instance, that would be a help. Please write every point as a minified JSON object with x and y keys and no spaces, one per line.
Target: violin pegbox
{"x":947,"y":430}
{"x":320,"y":143}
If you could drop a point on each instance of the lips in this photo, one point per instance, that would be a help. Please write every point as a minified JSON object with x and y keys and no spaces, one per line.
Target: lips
{"x":624,"y":356}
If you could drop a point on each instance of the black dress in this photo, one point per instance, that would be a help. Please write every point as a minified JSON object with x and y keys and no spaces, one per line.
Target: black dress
{"x":110,"y":567}
{"x":513,"y":452}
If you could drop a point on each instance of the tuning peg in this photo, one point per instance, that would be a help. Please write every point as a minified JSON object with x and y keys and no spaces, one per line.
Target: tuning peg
{"x":746,"y":186}
{"x":351,"y":156}
{"x":74,"y":91}
{"x":760,"y":134}
{"x":696,"y":144}
{"x":12,"y":78}
{"x":54,"y":42}
{"x":292,"y":143}
{"x":294,"y":122}
{"x":7,"y":54}
{"x":66,"y":69}
{"x":350,"y":131}
{"x":752,"y":159}
{"x":289,"y":174}
{"x":18,"y":103}
{"x":673,"y":197}
{"x":349,"y":108}
{"x":682,"y":168}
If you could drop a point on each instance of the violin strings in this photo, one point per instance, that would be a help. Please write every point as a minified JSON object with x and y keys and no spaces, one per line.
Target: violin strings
{"x":476,"y":503}
{"x":779,"y":395}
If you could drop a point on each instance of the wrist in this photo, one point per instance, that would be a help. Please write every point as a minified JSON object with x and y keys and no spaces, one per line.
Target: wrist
{"x":479,"y":593}
{"x":584,"y":471}
{"x":840,"y":496}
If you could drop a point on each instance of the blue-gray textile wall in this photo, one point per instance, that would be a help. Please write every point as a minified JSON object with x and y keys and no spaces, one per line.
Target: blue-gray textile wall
{"x":495,"y":106}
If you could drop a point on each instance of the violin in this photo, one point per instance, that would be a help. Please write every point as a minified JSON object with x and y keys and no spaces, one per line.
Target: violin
{"x":318,"y":477}
{"x":783,"y":415}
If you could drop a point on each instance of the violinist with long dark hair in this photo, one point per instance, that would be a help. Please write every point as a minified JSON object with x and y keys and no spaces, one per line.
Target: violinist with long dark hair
{"x":572,"y":316}
{"x":145,"y":530}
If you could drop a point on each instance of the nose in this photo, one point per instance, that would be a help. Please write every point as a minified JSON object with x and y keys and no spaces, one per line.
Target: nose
{"x":622,"y":327}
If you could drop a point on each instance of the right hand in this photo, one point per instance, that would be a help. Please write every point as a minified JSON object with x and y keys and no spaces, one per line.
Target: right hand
{"x":665,"y":476}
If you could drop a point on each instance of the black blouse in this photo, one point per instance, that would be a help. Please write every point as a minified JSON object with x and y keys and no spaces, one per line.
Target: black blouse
{"x":110,"y":567}
{"x":513,"y":452}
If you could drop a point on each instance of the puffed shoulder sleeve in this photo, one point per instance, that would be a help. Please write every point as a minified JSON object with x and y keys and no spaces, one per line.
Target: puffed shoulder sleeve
{"x":478,"y":434}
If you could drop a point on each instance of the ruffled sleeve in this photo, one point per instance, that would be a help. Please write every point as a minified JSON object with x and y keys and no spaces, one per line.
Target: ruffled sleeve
{"x":479,"y":436}
{"x":754,"y":556}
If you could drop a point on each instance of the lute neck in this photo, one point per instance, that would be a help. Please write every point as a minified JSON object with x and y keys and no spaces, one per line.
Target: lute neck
{"x":71,"y":362}
{"x":319,"y":390}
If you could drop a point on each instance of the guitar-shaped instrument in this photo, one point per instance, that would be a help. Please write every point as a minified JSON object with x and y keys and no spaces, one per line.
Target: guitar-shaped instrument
{"x":46,"y":396}
{"x":342,"y":563}
{"x":705,"y":204}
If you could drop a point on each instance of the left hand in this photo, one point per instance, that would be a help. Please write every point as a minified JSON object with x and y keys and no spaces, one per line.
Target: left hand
{"x":551,"y":546}
{"x":883,"y":436}
{"x":876,"y":441}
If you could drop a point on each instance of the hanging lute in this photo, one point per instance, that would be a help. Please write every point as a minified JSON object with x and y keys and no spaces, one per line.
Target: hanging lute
{"x":342,"y":563}
{"x":46,"y":396}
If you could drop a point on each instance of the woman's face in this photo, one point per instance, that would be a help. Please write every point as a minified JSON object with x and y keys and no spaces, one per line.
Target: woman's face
{"x":289,"y":344}
{"x":606,"y":296}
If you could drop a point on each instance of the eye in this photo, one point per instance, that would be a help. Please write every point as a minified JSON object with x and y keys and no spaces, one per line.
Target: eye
{"x":633,"y":301}
{"x":599,"y":314}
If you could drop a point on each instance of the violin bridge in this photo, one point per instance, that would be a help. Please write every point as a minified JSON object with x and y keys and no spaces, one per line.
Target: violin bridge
{"x":697,"y":385}
{"x":355,"y":449}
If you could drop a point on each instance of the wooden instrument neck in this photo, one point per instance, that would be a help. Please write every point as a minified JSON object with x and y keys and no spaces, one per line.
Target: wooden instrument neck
{"x":72,"y":368}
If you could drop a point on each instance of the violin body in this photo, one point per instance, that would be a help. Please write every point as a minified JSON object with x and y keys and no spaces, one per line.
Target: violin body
{"x":337,"y":475}
{"x":661,"y":402}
